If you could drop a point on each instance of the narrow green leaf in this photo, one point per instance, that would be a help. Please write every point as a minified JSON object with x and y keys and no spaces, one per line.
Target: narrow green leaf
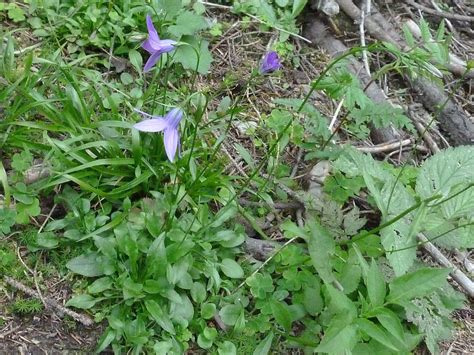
{"x":264,"y":347}
{"x":374,"y":331}
{"x":282,"y":314}
{"x":416,"y":284}
{"x":298,"y":6}
{"x":159,"y":316}
{"x":375,"y":285}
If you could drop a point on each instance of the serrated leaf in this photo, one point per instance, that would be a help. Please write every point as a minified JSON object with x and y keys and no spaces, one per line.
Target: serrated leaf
{"x":399,"y":246}
{"x":391,"y":322}
{"x":187,"y":23}
{"x":339,"y":303}
{"x":195,"y":55}
{"x":338,"y":340}
{"x":444,"y":170}
{"x":264,"y":347}
{"x":375,"y":285}
{"x":321,"y":247}
{"x":416,"y":284}
{"x":375,"y":332}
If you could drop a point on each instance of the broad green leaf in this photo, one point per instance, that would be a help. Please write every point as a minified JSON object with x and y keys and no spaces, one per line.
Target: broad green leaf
{"x":321,"y":247}
{"x":391,"y":322}
{"x":82,"y":301}
{"x":400,"y":248}
{"x":100,"y":285}
{"x":87,"y":265}
{"x":208,"y":310}
{"x":446,"y":169}
{"x":339,"y":303}
{"x":136,"y":60}
{"x":375,"y":332}
{"x":227,"y":348}
{"x":282,"y":314}
{"x":416,"y":284}
{"x":188,"y":23}
{"x":375,"y":285}
{"x":264,"y":347}
{"x":313,"y":301}
{"x":232,"y":269}
{"x":159,"y":316}
{"x":195,"y":55}
{"x":338,"y":340}
{"x":230,"y":313}
{"x":47,"y":240}
{"x":198,"y":292}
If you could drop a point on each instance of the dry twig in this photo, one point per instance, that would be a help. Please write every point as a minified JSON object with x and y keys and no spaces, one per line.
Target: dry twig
{"x":440,"y":13}
{"x":460,"y":277}
{"x":50,"y":302}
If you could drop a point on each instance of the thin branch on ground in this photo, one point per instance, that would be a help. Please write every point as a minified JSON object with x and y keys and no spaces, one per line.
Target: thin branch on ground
{"x":440,"y":13}
{"x":459,"y":276}
{"x":50,"y":302}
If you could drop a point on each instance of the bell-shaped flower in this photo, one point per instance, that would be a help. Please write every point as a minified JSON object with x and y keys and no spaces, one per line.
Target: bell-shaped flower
{"x":270,"y":63}
{"x":168,"y":125}
{"x":154,"y":45}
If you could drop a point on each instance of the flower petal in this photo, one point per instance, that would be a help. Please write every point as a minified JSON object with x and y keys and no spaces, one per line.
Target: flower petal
{"x":171,"y":142}
{"x":173,"y":117}
{"x":152,"y":125}
{"x":151,"y":61}
{"x":167,"y":45}
{"x":153,"y":35}
{"x":148,"y":46}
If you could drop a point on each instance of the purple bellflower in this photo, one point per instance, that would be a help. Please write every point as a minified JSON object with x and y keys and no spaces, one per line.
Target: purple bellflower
{"x":168,"y":125}
{"x":154,"y":45}
{"x":270,"y":63}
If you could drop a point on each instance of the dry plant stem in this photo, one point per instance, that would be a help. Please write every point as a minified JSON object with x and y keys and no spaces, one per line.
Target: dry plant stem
{"x":365,"y":60}
{"x":460,"y":277}
{"x":426,"y":136}
{"x":450,"y":116}
{"x":336,"y":114}
{"x":50,"y":302}
{"x":440,"y":13}
{"x":464,"y":258}
{"x":387,"y":147}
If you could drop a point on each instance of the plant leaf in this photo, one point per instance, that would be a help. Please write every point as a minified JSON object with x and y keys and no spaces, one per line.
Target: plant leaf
{"x":416,"y":284}
{"x":375,"y":285}
{"x":264,"y":347}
